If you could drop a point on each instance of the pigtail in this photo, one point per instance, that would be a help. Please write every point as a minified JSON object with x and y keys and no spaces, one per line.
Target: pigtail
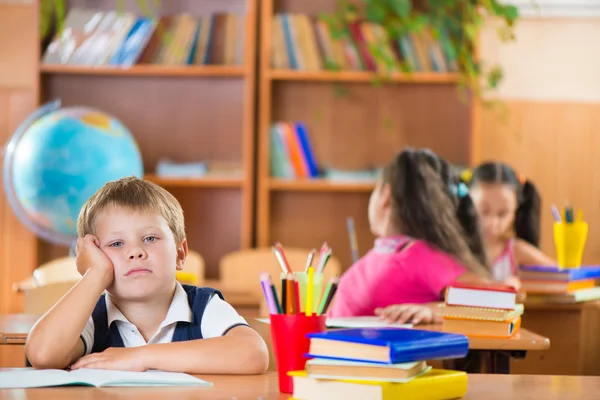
{"x":469,"y":221}
{"x":424,"y":209}
{"x":528,"y":215}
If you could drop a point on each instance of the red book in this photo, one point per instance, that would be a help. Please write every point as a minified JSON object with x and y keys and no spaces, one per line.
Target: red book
{"x":484,"y":296}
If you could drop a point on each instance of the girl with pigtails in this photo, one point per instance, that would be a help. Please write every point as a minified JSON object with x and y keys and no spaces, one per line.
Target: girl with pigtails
{"x":427,"y":239}
{"x":508,"y":206}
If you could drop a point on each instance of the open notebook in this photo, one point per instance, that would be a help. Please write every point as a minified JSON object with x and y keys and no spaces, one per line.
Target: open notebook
{"x":31,"y":378}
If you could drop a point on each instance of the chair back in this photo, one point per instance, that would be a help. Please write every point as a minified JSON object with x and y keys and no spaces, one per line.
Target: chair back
{"x":193,"y":269}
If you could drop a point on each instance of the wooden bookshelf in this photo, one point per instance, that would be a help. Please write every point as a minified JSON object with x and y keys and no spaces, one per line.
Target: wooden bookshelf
{"x":318,"y":185}
{"x":365,"y":127}
{"x":147,"y":70}
{"x":185,"y":113}
{"x":205,"y":182}
{"x":360,"y":77}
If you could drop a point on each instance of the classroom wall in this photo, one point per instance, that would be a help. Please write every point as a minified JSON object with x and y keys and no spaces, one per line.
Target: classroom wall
{"x":18,"y":98}
{"x":552,"y":132}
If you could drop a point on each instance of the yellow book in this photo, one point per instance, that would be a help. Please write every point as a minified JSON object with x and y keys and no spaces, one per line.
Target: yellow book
{"x":438,"y":384}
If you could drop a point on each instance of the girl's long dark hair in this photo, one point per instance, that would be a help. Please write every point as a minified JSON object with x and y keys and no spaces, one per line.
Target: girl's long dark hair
{"x":527,"y":216}
{"x":425,"y":206}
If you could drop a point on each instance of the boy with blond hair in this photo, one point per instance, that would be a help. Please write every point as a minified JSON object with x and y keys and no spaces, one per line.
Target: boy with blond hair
{"x":128,"y":312}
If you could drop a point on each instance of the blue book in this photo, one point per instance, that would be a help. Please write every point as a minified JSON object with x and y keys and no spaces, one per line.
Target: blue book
{"x":307,"y":150}
{"x":556,"y":274}
{"x":387,"y":345}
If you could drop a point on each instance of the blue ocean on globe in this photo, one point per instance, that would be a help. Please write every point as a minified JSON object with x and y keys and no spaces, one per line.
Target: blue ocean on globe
{"x":60,"y":160}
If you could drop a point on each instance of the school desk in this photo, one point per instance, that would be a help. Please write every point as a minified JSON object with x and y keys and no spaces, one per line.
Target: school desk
{"x":14,"y":328}
{"x":500,"y":351}
{"x":481,"y":386}
{"x":573,"y":330}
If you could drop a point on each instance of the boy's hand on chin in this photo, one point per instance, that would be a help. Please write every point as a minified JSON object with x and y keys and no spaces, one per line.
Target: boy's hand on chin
{"x":91,"y":257}
{"x":117,"y":358}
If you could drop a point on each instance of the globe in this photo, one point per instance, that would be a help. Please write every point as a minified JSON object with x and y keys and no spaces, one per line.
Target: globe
{"x":57,"y":159}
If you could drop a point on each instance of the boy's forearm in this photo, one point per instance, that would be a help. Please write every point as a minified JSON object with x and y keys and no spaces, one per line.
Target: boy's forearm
{"x":242,"y":351}
{"x":53,"y":339}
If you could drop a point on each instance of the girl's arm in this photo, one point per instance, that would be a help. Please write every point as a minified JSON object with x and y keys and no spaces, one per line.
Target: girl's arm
{"x":527,"y":254}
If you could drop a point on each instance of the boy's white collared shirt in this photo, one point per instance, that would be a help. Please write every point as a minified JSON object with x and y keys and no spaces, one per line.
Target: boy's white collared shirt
{"x":218,"y":317}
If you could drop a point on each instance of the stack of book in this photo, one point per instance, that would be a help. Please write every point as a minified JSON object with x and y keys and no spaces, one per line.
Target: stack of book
{"x":554,"y":285}
{"x":380,"y":363}
{"x":481,"y":311}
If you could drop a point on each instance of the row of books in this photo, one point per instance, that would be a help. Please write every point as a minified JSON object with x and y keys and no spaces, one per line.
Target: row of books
{"x":482,"y":311}
{"x":98,"y":38}
{"x":553,"y":285}
{"x":380,"y":363}
{"x":300,"y":43}
{"x":291,"y":154}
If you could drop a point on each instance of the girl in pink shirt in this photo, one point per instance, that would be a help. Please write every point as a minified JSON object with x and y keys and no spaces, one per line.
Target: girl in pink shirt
{"x":421,"y":249}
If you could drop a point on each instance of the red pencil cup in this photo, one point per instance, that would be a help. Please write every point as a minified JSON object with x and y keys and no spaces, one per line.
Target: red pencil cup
{"x":288,"y":334}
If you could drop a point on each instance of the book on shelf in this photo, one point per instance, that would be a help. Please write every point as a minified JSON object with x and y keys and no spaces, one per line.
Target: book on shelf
{"x":292,"y":156}
{"x":166,"y":168}
{"x":123,"y":39}
{"x":299,"y":42}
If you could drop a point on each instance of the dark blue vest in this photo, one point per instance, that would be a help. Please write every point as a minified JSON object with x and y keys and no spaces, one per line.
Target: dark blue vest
{"x":105,"y":336}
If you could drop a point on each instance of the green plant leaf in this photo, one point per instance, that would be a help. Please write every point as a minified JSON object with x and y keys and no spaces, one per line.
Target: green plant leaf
{"x":402,"y":8}
{"x":59,"y":6}
{"x":494,"y":77}
{"x":511,"y":13}
{"x":375,"y":12}
{"x":46,"y":16}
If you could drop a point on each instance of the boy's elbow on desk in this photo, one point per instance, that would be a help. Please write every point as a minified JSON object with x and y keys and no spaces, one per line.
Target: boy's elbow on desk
{"x":42,"y":356}
{"x":253,"y":354}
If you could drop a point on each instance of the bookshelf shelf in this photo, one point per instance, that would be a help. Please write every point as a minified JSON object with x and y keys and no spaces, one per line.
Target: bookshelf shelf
{"x":201,"y":112}
{"x":359,"y":77}
{"x":357,"y":127}
{"x":146,"y":70}
{"x":206,"y":182}
{"x":318,"y":185}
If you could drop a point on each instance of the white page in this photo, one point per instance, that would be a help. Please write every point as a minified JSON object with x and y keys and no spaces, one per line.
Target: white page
{"x":28,"y":378}
{"x":354,"y":322}
{"x":344,"y":363}
{"x":362,"y":322}
{"x":101,"y":377}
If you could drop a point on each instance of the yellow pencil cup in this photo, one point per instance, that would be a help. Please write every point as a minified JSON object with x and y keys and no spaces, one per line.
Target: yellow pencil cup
{"x":318,"y":289}
{"x":569,"y":240}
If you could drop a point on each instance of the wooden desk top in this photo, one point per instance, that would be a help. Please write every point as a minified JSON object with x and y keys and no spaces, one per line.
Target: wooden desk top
{"x":522,"y":341}
{"x":14,"y":328}
{"x":481,"y":386}
{"x":594,"y":304}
